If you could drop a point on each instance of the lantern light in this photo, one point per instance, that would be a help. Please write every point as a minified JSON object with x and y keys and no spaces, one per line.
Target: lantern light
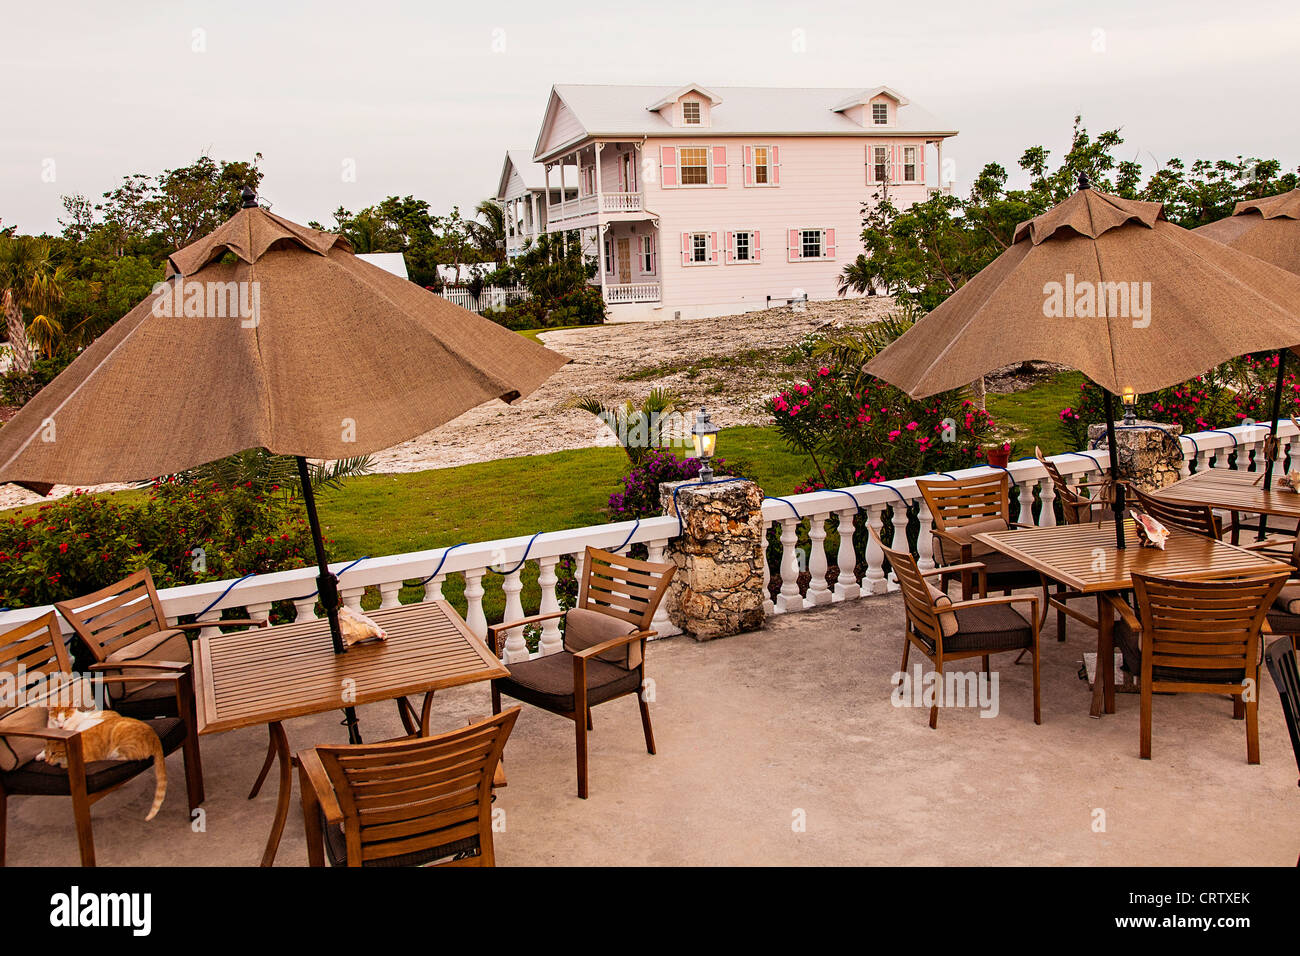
{"x":705,"y":436}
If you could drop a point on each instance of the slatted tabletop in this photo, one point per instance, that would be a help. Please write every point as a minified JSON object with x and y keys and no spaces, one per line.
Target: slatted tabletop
{"x":1084,"y":556}
{"x":1233,"y":491}
{"x":270,"y":674}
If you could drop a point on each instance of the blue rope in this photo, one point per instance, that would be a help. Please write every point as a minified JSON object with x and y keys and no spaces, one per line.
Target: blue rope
{"x":231,"y":586}
{"x":852,"y":496}
{"x":527,"y":548}
{"x":628,"y":539}
{"x":788,"y":504}
{"x":442,"y":561}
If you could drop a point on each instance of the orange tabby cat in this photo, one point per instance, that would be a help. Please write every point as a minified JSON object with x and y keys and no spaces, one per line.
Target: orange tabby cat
{"x":107,"y":735}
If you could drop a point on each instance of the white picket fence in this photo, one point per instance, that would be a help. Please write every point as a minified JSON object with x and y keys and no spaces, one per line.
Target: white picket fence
{"x":892,"y":502}
{"x":490,"y":299}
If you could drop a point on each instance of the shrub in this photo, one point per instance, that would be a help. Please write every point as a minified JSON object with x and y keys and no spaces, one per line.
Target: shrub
{"x":558,"y":286}
{"x":19,"y":388}
{"x":640,"y":495}
{"x":182,"y":533}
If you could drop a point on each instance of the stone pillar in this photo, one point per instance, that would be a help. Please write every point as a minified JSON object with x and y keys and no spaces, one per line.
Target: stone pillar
{"x":718,"y":588}
{"x":1149,"y":452}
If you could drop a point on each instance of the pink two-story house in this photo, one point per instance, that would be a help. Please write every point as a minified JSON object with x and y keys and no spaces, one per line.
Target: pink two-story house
{"x":716,"y":201}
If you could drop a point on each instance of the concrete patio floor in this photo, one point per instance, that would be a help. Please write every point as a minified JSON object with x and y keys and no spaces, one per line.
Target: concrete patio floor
{"x":760,"y":731}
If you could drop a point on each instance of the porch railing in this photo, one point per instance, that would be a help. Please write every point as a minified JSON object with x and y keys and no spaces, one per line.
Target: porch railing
{"x":791,"y":519}
{"x":632,"y":292}
{"x":491,"y":298}
{"x":620,"y":202}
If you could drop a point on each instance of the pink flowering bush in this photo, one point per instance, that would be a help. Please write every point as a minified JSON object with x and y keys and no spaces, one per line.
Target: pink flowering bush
{"x":858,"y":429}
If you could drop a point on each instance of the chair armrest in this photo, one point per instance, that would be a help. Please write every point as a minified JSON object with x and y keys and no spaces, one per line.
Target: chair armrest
{"x":950,"y":568}
{"x":949,"y":536}
{"x":174,"y":666}
{"x":1029,"y":599}
{"x":1026,"y":527}
{"x":197,"y":625}
{"x":172,"y":677}
{"x":314,"y":771}
{"x":612,"y":643}
{"x":494,"y":629}
{"x":44,"y":733}
{"x":1125,"y":612}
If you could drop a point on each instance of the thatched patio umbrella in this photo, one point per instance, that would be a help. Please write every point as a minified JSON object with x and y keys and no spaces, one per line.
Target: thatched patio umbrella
{"x":1267,"y":229}
{"x":1107,"y":286}
{"x":270,"y":335}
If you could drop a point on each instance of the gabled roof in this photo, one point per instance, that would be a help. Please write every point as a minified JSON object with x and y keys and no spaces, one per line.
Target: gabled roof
{"x":862,"y":97}
{"x":533,"y":174}
{"x":677,"y":94}
{"x":621,"y":111}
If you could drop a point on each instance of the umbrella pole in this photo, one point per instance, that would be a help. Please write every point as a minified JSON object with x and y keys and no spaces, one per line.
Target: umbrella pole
{"x":1272,"y":431}
{"x":326,"y":585}
{"x":1117,"y":489}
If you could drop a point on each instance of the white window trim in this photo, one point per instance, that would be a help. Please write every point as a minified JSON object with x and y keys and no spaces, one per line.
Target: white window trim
{"x":825,"y":245}
{"x":872,"y":107}
{"x":690,"y":262}
{"x":872,"y":178}
{"x":731,"y":240}
{"x":653,"y":253}
{"x":771,"y":167}
{"x":916,"y":166}
{"x":700,"y":114}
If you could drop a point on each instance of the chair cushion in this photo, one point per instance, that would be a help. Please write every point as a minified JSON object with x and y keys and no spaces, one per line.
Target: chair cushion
{"x":965,"y":533}
{"x":336,"y":848}
{"x":1129,"y":642}
{"x":547,"y":682}
{"x":1288,"y":601}
{"x":39,"y":777}
{"x":947,"y":619}
{"x":992,"y":627}
{"x":585,"y":628}
{"x":167,"y":645}
{"x":16,"y":751}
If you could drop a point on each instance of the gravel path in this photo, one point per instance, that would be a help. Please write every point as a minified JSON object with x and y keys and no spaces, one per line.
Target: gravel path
{"x":731,"y":364}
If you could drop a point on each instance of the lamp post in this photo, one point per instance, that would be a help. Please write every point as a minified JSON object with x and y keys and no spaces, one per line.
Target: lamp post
{"x":1129,"y":398}
{"x":705,"y":436}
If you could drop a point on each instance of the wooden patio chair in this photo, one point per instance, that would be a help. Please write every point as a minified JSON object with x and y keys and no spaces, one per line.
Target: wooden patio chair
{"x":1075,"y":509}
{"x":965,"y":507}
{"x":945,"y":630}
{"x":1281,"y":660}
{"x":35,"y":652}
{"x":125,"y":631}
{"x":1199,"y":637}
{"x":410,"y":802}
{"x":604,"y":648}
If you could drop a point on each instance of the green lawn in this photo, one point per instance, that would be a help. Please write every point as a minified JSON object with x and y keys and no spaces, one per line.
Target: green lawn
{"x":1030,"y":417}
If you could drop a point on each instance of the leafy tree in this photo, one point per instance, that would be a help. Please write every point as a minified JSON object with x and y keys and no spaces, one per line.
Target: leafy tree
{"x":29,"y":280}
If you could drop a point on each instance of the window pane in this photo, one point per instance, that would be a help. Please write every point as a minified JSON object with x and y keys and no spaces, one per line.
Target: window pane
{"x":695,"y":165}
{"x":880,"y":113}
{"x":691,"y":113}
{"x":700,"y":247}
{"x":812,"y":244}
{"x":742,"y":246}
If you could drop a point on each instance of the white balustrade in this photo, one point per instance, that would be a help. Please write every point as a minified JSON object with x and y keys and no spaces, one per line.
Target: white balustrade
{"x":386,"y":575}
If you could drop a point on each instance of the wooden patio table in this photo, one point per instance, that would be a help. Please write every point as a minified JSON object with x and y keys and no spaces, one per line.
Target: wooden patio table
{"x":1233,"y":491}
{"x":268,"y":675}
{"x":1084,"y":558}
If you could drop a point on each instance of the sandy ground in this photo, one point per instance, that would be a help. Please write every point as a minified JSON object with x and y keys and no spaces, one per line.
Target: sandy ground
{"x":601,"y":357}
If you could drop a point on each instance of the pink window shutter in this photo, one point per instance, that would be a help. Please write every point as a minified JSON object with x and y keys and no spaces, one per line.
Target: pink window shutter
{"x":731,"y":244}
{"x":774,"y":164}
{"x":896,"y":175}
{"x":792,"y":245}
{"x":869,"y":165}
{"x":755,"y":250}
{"x":668,"y":160}
{"x":830,"y":243}
{"x":719,"y":165}
{"x":686,"y":248}
{"x":713,"y":240}
{"x":749,"y":165}
{"x":920,"y":164}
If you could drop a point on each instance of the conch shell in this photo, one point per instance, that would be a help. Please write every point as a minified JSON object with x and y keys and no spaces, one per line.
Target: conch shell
{"x":1290,"y":481}
{"x":358,"y":629}
{"x":1151,"y":533}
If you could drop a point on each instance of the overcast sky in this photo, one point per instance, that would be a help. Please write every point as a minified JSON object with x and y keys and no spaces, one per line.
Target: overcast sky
{"x":424,"y":98}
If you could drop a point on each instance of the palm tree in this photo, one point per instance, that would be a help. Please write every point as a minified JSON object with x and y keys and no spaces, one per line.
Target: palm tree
{"x":638,"y":430}
{"x":47,"y":333}
{"x":29,"y":279}
{"x":859,"y":276}
{"x":490,"y":234}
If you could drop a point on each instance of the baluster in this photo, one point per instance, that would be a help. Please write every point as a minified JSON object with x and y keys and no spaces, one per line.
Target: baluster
{"x":304,"y":609}
{"x":789,"y":598}
{"x":1184,"y":460}
{"x":214,"y":631}
{"x":661,"y":623}
{"x":899,"y":541}
{"x":550,"y":641}
{"x":846,"y":584}
{"x":874,"y":582}
{"x":433,"y":589}
{"x":924,"y":537}
{"x":1204,"y":458}
{"x":516,"y":646}
{"x":768,"y":607}
{"x":390,"y":595}
{"x":1047,"y":497}
{"x":818,"y":592}
{"x":474,"y":603}
{"x":352,"y":598}
{"x":1025,"y":502}
{"x":259,"y":612}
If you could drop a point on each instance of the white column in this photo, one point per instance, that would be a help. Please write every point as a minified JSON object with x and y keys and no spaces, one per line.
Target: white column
{"x":390,"y":594}
{"x":789,"y":598}
{"x":768,"y":607}
{"x":899,"y":542}
{"x":516,"y":646}
{"x":546,"y":197}
{"x":846,"y":584}
{"x":818,"y":592}
{"x":474,"y":616}
{"x":873,"y":582}
{"x":924,"y":539}
{"x":661,"y":624}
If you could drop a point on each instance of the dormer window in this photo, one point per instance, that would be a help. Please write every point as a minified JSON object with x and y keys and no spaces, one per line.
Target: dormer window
{"x":691,"y":113}
{"x":880,"y":114}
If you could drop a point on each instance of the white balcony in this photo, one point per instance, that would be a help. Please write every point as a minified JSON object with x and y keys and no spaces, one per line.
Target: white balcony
{"x":588,"y":210}
{"x":624,"y":292}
